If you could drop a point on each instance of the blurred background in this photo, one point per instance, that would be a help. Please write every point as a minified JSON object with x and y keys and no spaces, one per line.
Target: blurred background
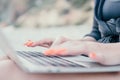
{"x":23,"y":20}
{"x":45,"y":13}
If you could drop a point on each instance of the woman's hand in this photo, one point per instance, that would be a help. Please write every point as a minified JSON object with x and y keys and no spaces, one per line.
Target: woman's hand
{"x":63,"y":46}
{"x":47,"y":42}
{"x":107,"y":54}
{"x":73,"y":47}
{"x":44,"y":43}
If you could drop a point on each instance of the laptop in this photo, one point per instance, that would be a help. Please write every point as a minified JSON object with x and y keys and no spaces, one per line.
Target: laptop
{"x":37,"y":62}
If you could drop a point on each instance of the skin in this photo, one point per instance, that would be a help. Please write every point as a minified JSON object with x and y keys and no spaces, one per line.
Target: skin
{"x":88,"y":46}
{"x":106,"y":54}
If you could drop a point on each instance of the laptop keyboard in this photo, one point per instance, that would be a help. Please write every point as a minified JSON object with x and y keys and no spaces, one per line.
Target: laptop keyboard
{"x":40,"y":59}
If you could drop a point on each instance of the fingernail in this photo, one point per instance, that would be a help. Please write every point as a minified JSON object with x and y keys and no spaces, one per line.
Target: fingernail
{"x":92,"y":55}
{"x":50,"y":52}
{"x":55,"y":52}
{"x":97,"y":57}
{"x":29,"y":43}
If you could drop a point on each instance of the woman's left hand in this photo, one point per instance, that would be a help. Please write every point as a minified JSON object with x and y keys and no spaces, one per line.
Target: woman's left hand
{"x":73,"y":47}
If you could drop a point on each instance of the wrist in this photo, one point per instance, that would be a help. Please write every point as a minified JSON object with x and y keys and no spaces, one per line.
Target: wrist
{"x":92,"y":47}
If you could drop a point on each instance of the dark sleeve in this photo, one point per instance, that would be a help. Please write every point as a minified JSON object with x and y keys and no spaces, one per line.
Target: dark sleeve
{"x":95,"y":33}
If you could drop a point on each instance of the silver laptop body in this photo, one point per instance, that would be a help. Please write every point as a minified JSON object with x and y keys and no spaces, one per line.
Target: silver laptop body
{"x":36,"y":62}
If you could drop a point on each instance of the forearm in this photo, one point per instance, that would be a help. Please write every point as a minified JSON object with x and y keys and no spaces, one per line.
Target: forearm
{"x":103,"y":48}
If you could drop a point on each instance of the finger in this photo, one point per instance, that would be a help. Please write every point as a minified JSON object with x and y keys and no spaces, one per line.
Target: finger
{"x":43,"y":43}
{"x":53,"y":52}
{"x":59,"y":40}
{"x":40,"y":44}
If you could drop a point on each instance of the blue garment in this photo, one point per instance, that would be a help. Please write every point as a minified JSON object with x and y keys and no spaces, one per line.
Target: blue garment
{"x":111,"y":9}
{"x":104,"y":30}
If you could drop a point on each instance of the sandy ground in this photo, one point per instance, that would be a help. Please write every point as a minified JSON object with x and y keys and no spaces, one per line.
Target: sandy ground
{"x":17,"y":37}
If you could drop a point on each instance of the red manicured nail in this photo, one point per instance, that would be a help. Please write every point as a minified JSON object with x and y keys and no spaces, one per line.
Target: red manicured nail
{"x":29,"y":43}
{"x":54,"y":52}
{"x":50,"y":52}
{"x":92,"y":55}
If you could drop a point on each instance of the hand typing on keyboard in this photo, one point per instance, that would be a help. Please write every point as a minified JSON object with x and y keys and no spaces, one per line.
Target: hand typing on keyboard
{"x":61,"y":46}
{"x":96,"y":51}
